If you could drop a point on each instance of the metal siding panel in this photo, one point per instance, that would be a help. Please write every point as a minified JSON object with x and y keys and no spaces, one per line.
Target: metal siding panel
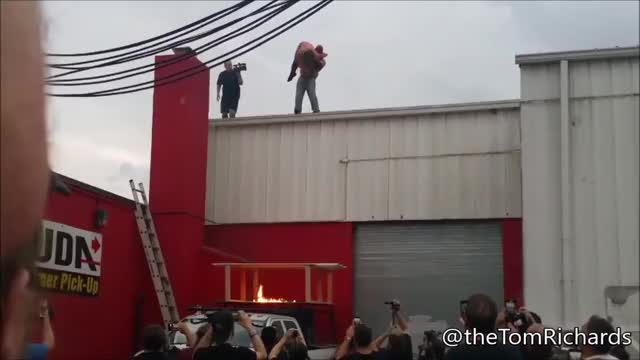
{"x":286,"y":184}
{"x":413,"y":261}
{"x":367,"y":191}
{"x":602,"y":78}
{"x":256,"y":172}
{"x":274,"y":182}
{"x":605,"y":209}
{"x":627,"y":147}
{"x":293,"y":171}
{"x":432,"y":131}
{"x":368,"y":138}
{"x":513,"y":185}
{"x":316,"y":166}
{"x":540,"y":124}
{"x":540,"y":82}
{"x":325,"y":179}
{"x":221,"y":184}
{"x":299,"y":168}
{"x":584,"y":221}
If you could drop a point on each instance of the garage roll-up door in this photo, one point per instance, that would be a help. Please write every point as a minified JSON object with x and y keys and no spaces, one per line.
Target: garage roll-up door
{"x":428,"y":266}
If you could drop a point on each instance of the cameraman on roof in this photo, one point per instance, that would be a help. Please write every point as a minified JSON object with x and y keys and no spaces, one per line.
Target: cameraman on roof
{"x":230,"y":81}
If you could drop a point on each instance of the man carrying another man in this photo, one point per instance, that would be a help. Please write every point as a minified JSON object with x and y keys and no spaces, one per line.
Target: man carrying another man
{"x":310,"y":60}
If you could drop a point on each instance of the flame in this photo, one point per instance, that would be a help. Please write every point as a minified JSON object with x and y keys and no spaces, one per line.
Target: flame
{"x":261,"y":299}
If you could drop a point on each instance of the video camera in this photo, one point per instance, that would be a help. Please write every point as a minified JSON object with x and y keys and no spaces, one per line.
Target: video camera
{"x":395,"y":305}
{"x":240,"y":67}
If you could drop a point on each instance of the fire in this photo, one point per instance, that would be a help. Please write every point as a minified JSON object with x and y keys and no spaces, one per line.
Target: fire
{"x":261,"y":299}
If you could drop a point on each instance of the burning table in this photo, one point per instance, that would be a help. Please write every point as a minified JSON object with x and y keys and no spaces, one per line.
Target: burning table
{"x":326,"y":270}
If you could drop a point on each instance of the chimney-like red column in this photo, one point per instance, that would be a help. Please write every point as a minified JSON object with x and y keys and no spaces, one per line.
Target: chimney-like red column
{"x":178,"y":171}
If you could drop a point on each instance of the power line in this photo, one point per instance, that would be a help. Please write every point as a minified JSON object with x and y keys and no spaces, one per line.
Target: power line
{"x":198,"y":69}
{"x":143,"y":42}
{"x":159,"y":65}
{"x":136,"y":54}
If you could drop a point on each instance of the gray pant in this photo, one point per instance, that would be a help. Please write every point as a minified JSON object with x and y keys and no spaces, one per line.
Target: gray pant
{"x":308,"y":85}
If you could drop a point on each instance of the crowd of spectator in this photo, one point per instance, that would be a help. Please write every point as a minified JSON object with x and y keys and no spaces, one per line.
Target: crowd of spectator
{"x":480,"y":315}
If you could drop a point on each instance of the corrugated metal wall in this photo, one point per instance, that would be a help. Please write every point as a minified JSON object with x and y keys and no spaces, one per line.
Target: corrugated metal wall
{"x":453,"y":164}
{"x":601,"y":165}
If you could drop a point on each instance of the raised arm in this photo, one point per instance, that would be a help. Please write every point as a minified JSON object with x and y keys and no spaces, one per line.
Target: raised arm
{"x":184,"y":329}
{"x":258,"y":345}
{"x":343,"y":349}
{"x":48,"y":338}
{"x":377,"y":343}
{"x":403,"y":324}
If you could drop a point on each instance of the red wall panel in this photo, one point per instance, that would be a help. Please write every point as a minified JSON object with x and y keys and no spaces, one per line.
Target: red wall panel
{"x":512,"y":259}
{"x":99,"y":327}
{"x":301,"y":242}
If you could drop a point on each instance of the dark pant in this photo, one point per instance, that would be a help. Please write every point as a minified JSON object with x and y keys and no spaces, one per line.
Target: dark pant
{"x":229,"y":105}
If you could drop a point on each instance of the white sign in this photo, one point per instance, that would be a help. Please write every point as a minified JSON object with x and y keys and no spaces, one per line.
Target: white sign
{"x":69,"y":249}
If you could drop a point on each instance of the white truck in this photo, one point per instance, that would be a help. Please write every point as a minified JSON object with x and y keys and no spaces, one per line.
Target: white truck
{"x":281,"y":323}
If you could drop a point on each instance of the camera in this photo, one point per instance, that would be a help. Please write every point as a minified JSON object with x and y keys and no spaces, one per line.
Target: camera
{"x":513,"y":315}
{"x":295,"y":334}
{"x":395,"y":305}
{"x":240,"y":67}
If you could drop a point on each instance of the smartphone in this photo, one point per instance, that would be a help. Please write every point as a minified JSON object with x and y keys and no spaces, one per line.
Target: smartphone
{"x":510,"y":305}
{"x":463,"y":307}
{"x":44,"y":309}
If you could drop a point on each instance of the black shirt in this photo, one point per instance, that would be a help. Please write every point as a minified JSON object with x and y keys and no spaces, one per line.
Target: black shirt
{"x":224,"y":352}
{"x":481,"y":352}
{"x":230,"y":83}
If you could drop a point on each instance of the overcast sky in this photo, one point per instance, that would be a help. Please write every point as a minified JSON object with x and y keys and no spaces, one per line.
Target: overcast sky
{"x":381,"y":54}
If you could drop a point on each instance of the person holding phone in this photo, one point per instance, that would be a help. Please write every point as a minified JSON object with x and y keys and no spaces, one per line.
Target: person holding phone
{"x":480,"y":314}
{"x":219,"y":334}
{"x":362,"y":339}
{"x":290,"y":347}
{"x":40,"y":351}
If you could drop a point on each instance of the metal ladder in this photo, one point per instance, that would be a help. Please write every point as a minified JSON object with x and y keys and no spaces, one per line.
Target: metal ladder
{"x":155,"y":260}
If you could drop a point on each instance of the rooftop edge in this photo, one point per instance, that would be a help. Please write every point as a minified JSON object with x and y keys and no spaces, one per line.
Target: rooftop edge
{"x":592,"y":54}
{"x":366,"y":113}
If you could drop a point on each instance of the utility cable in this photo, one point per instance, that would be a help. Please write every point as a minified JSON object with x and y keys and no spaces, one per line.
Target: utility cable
{"x":138,"y":53}
{"x":143,"y":42}
{"x":161,"y":64}
{"x":198,"y":69}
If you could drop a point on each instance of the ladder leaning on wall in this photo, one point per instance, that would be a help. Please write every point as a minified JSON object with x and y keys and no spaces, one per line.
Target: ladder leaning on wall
{"x":155,"y":260}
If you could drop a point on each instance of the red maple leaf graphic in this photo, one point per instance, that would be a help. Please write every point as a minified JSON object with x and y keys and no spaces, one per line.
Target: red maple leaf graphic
{"x":95,"y":245}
